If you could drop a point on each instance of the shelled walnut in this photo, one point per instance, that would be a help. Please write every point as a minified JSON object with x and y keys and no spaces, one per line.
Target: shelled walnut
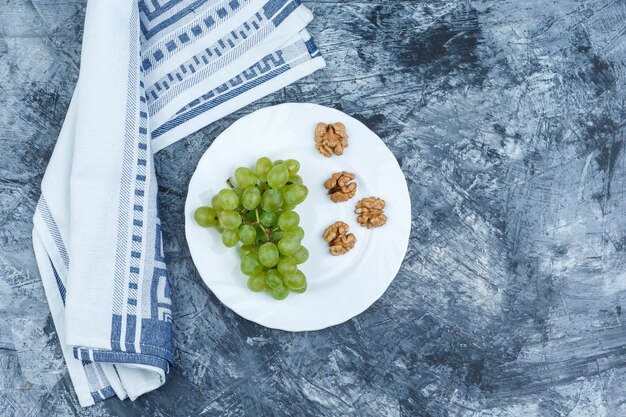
{"x":340,"y":186}
{"x":338,"y":239}
{"x":331,"y":138}
{"x":370,"y":212}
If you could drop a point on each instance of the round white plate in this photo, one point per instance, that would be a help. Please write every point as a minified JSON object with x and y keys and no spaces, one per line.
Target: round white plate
{"x":339,"y":287}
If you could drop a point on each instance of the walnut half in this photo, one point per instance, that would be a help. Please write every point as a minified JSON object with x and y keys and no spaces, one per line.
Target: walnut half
{"x":338,"y":238}
{"x":331,"y":138}
{"x":339,"y":186}
{"x":370,"y":212}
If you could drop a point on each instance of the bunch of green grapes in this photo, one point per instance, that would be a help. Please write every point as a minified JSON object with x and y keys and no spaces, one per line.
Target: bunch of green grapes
{"x":258,"y":210}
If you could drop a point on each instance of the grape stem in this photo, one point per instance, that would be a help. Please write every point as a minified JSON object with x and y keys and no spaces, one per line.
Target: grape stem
{"x":268,"y":235}
{"x":230,"y":183}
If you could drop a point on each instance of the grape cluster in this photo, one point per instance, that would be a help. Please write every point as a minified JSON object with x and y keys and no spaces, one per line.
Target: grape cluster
{"x":258,"y":210}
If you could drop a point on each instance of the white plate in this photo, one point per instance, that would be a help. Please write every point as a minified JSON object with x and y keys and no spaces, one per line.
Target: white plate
{"x":339,"y":287}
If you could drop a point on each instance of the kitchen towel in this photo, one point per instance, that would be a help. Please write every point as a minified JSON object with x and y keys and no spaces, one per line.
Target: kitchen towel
{"x":152,"y":72}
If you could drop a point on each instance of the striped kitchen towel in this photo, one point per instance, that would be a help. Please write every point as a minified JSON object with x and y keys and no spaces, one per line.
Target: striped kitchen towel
{"x":152,"y":72}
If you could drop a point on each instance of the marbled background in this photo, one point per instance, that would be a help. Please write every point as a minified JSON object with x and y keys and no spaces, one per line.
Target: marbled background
{"x":508,"y":119}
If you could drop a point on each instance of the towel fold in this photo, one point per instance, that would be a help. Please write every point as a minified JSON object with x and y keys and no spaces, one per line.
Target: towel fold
{"x":152,"y":72}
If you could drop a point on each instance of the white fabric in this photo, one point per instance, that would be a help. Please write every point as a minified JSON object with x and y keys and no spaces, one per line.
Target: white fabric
{"x":148,"y":78}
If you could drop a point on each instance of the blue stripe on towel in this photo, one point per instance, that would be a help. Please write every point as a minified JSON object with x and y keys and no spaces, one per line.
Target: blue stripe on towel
{"x":213,"y":56}
{"x":208,"y":105}
{"x":58,"y":281}
{"x":280,"y":18}
{"x":103,"y":394}
{"x":156,"y":357}
{"x":131,"y":323}
{"x":53,"y":229}
{"x":311,"y":47}
{"x":116,"y":332}
{"x":149,"y":33}
{"x":272,"y":7}
{"x":97,"y":381}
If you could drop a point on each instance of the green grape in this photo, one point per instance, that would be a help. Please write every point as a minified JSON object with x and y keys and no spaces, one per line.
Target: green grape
{"x":295,"y":179}
{"x":296,"y":281}
{"x":268,"y":254}
{"x":288,"y":245}
{"x":205,"y":216}
{"x":287,"y":266}
{"x":228,"y":199}
{"x":230,"y":237}
{"x":247,"y":234}
{"x":262,"y":167}
{"x":245,"y":178}
{"x":271,"y":200}
{"x":269,"y":218}
{"x":230,"y":219}
{"x":300,"y":291}
{"x":215,"y":203}
{"x":251,"y":198}
{"x":256,"y":283}
{"x":294,"y":194}
{"x":277,"y":235}
{"x":250,"y":264}
{"x":245,"y":249}
{"x":279,"y":293}
{"x":278,"y":176}
{"x":288,"y":220}
{"x":292,"y":165}
{"x":273,"y":278}
{"x":297,"y":232}
{"x":239,"y":192}
{"x":278,"y":162}
{"x":301,"y":255}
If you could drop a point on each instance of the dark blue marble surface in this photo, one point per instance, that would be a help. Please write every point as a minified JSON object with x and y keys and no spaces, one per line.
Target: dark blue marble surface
{"x":508,"y":119}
